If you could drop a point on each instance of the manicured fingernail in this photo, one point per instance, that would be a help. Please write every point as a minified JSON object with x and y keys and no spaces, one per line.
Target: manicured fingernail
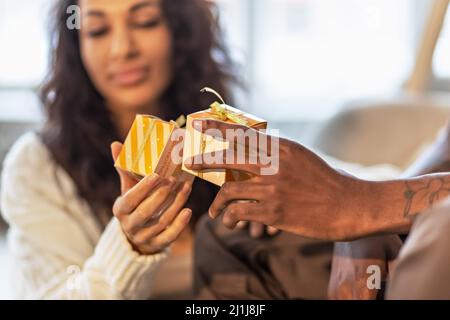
{"x":187,"y":213}
{"x":186,"y":187}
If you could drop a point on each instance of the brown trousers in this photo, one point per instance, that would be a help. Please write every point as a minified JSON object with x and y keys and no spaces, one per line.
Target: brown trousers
{"x":229,"y":264}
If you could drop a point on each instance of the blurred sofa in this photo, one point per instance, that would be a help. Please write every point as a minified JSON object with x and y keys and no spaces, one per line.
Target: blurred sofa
{"x":393,"y":131}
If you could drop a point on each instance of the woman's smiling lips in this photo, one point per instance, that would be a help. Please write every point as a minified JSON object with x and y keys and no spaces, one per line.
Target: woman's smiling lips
{"x":130,"y":77}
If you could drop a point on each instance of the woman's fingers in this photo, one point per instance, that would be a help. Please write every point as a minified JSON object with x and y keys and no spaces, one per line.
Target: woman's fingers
{"x":151,"y":205}
{"x":116,"y":147}
{"x":141,"y":201}
{"x":211,"y":161}
{"x":175,"y":206}
{"x":128,"y":202}
{"x":156,"y":226}
{"x":171,"y":233}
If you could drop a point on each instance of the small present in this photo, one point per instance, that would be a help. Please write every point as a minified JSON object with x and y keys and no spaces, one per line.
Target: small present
{"x":149,"y":145}
{"x":196,"y":143}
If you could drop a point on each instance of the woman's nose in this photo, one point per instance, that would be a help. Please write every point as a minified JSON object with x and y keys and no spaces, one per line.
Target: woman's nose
{"x":123,"y":45}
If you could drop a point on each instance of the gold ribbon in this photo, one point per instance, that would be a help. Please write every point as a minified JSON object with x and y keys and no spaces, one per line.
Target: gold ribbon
{"x":221,"y":112}
{"x":180,"y":122}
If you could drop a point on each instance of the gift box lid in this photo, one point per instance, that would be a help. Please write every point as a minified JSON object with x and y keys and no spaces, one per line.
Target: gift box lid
{"x":250,"y":119}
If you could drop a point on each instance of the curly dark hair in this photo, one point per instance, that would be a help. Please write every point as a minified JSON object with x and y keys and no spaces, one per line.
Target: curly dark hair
{"x":79,"y":127}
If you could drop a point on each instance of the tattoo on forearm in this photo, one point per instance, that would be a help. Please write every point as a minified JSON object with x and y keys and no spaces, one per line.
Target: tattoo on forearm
{"x":419,"y":198}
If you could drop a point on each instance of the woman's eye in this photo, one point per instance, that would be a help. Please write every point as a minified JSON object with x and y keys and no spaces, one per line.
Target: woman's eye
{"x":151,"y":23}
{"x":97,"y":33}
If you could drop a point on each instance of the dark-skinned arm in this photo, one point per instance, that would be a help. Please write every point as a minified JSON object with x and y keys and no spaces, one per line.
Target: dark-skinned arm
{"x":351,"y":260}
{"x":308,"y":197}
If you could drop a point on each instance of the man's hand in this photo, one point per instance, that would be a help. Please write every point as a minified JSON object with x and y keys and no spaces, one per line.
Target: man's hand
{"x":352,"y":262}
{"x":305,"y":195}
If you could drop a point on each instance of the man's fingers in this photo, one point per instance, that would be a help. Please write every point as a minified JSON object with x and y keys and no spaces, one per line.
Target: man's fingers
{"x":236,"y":212}
{"x":241,"y":192}
{"x":248,"y":148}
{"x":220,"y":160}
{"x":128,"y":202}
{"x":234,"y":133}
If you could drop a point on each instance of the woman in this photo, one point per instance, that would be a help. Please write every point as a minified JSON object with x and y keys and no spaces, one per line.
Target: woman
{"x":59,"y":187}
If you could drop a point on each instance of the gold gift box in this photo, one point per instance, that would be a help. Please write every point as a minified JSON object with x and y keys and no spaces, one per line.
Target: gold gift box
{"x":196,"y":143}
{"x":148,"y":148}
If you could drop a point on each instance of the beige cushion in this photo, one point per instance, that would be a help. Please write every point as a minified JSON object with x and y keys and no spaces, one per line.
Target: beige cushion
{"x":392,"y":132}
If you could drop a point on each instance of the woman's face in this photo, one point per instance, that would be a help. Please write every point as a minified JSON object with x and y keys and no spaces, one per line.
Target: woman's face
{"x":126,"y":50}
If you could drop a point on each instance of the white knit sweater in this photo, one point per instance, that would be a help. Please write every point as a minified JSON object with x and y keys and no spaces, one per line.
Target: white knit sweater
{"x":57,"y":249}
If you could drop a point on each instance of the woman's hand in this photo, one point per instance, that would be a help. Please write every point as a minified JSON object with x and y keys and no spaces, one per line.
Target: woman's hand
{"x":353,"y":265}
{"x":151,"y":211}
